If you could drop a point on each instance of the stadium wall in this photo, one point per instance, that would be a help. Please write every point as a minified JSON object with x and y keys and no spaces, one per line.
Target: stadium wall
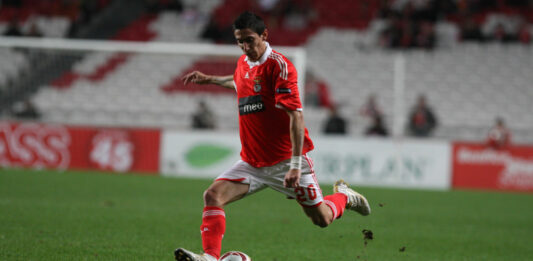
{"x":420,"y":164}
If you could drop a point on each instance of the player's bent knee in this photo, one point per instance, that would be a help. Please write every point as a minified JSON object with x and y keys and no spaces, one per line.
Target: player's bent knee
{"x":212,"y":198}
{"x":320,"y":216}
{"x":320,"y":220}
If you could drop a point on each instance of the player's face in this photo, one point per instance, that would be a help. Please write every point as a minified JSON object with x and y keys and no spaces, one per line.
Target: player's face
{"x":251,"y":43}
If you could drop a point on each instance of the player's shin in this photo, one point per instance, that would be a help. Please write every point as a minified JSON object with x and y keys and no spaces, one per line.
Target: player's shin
{"x":213,"y":228}
{"x":337,"y":204}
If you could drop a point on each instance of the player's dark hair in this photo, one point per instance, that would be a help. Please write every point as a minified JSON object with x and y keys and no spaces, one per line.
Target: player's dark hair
{"x":249,"y":20}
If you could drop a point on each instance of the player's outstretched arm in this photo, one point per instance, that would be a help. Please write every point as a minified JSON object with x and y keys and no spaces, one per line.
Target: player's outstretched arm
{"x":297,"y":132}
{"x":201,"y":78}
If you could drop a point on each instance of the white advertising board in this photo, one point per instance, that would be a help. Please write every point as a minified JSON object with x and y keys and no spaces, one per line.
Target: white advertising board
{"x":383,"y":162}
{"x":369,"y":162}
{"x":198,"y":154}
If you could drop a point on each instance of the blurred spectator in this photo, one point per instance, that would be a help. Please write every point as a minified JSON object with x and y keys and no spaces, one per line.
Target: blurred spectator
{"x":385,"y":11}
{"x":26,"y":110}
{"x":272,"y":10}
{"x":270,"y":7}
{"x":412,"y":23}
{"x":203,"y":118}
{"x":500,"y":34}
{"x":408,"y":34}
{"x":156,"y":6}
{"x":518,"y":3}
{"x":11,"y":3}
{"x":472,"y":7}
{"x":524,"y":35}
{"x":470,"y":30}
{"x":422,"y":120}
{"x":217,"y":32}
{"x":335,"y":124}
{"x":299,"y":15}
{"x":316,"y":91}
{"x":445,"y":8}
{"x":34,"y":31}
{"x":377,"y":128}
{"x":426,"y":36}
{"x":371,"y":109}
{"x":13,"y":28}
{"x":88,"y":9}
{"x":82,"y":18}
{"x":280,"y":16}
{"x":409,"y":23}
{"x":192,"y":14}
{"x":499,"y":136}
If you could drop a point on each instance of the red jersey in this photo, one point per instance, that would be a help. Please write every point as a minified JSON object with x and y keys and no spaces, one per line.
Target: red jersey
{"x":263,"y":89}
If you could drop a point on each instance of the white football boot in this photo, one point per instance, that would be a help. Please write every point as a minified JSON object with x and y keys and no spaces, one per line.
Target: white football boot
{"x":182,"y":254}
{"x":356,"y":201}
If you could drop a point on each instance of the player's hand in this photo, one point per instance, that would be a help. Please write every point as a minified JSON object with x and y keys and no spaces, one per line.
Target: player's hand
{"x":292,"y":178}
{"x":196,"y":77}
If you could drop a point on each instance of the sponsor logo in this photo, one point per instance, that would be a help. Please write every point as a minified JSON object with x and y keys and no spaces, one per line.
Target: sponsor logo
{"x":34,"y":145}
{"x":251,"y":104}
{"x":368,"y":168}
{"x":112,"y":150}
{"x":517,"y":171}
{"x":205,"y":155}
{"x":283,"y":90}
{"x":257,"y":84}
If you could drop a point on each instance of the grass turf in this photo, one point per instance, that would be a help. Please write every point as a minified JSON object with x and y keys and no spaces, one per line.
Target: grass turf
{"x":49,"y":215}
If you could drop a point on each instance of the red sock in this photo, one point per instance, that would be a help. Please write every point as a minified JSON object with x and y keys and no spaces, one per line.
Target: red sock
{"x":337,"y":203}
{"x":213,"y":228}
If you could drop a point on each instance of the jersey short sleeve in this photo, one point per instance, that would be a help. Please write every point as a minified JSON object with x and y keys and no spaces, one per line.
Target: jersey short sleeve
{"x":285,"y":84}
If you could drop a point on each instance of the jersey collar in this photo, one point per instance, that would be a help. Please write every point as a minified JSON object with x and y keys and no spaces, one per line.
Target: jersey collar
{"x":261,"y":60}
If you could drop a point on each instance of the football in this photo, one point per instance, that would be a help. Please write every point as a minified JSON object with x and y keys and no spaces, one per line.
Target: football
{"x":235,"y":256}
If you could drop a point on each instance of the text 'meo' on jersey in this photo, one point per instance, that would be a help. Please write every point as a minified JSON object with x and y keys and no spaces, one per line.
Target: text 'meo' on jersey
{"x":264,"y":89}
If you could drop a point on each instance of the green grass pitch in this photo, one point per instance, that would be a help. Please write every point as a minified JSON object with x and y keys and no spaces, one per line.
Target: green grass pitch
{"x":50,"y":215}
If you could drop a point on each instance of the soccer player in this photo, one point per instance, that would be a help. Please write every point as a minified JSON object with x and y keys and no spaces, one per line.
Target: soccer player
{"x":274,"y":141}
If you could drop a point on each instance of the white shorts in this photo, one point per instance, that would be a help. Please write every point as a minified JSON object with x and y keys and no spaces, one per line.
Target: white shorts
{"x":308,"y":193}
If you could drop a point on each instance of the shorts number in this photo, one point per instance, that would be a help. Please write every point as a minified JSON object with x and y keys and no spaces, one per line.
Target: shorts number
{"x":301,"y":194}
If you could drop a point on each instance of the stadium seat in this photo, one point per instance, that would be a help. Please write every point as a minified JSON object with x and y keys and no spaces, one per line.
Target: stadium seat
{"x":466,"y":87}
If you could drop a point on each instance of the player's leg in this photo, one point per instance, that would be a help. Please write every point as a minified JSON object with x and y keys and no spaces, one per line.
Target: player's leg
{"x":308,"y":194}
{"x":230,"y":186}
{"x":355,"y":201}
{"x":320,"y":215}
{"x":333,"y":205}
{"x":329,"y":208}
{"x":321,"y":210}
{"x":224,"y":191}
{"x":219,"y":194}
{"x":326,"y":210}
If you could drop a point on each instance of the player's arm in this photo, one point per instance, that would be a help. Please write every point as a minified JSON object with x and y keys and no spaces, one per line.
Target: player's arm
{"x":201,"y":78}
{"x":297,"y":132}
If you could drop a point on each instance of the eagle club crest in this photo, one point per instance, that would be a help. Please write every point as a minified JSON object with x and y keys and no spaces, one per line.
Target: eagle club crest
{"x":257,"y":84}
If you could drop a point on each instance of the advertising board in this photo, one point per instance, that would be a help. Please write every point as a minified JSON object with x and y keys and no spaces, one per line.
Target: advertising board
{"x":38,"y":145}
{"x":480,"y":167}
